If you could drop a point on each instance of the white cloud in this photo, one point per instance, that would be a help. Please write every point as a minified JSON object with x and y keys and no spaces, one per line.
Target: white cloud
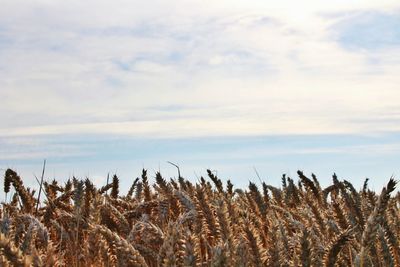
{"x":234,"y":68}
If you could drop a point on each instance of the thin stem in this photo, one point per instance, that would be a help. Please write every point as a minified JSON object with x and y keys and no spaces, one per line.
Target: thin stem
{"x":40,"y":188}
{"x":179,"y":172}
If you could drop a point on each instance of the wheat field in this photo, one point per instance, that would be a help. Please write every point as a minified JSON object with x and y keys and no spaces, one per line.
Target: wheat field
{"x":176,"y":222}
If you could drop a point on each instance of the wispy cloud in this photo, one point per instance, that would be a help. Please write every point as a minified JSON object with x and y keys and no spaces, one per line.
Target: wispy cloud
{"x":233,"y":68}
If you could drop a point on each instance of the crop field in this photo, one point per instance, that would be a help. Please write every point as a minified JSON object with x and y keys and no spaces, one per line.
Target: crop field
{"x":175,"y":222}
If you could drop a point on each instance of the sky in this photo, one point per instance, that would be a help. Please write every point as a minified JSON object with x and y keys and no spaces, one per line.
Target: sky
{"x":97,"y":87}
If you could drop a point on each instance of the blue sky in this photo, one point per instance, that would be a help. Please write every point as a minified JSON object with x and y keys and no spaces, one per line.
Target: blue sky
{"x":100,"y":86}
